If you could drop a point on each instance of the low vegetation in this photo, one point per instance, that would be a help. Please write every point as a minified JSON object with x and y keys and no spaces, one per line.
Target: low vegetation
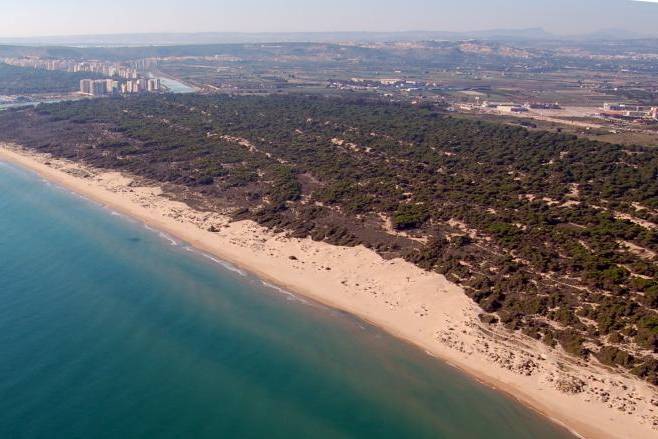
{"x":551,"y":235}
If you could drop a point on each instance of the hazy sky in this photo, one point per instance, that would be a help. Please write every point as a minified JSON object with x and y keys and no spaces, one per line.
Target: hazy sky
{"x":68,"y":17}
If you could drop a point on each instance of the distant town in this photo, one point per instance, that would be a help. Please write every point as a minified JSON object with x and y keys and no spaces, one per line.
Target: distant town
{"x":608,"y":92}
{"x":104,"y":87}
{"x":120,"y":78}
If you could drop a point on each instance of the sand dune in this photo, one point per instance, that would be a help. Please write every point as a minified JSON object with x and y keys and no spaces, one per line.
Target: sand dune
{"x":418,"y":306}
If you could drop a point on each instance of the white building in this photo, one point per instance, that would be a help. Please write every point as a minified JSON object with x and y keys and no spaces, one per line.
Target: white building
{"x":98,"y":88}
{"x":85,"y":86}
{"x":111,"y":86}
{"x":153,"y":85}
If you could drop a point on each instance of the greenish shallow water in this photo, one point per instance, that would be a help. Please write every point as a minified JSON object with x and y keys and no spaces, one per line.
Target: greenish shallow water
{"x":111,"y":330}
{"x":175,"y":86}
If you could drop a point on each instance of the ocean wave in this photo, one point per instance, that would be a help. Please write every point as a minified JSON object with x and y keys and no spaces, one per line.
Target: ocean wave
{"x":171,"y":240}
{"x":162,"y":235}
{"x":224,"y":264}
{"x":289,"y":296}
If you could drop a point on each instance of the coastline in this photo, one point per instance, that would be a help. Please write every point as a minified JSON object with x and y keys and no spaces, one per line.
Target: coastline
{"x":420,"y":307}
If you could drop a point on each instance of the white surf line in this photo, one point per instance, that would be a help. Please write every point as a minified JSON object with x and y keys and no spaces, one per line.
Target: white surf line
{"x":224,"y":264}
{"x":161,"y":234}
{"x":289,"y":295}
{"x":171,"y":240}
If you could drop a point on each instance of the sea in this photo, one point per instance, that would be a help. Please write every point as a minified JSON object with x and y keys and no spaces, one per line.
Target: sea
{"x":110,"y":329}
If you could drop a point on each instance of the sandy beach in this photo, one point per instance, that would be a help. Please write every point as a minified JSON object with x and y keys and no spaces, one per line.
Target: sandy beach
{"x":418,"y":306}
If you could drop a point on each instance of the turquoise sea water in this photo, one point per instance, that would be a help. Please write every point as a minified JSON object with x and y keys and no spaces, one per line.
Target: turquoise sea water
{"x":111,"y":330}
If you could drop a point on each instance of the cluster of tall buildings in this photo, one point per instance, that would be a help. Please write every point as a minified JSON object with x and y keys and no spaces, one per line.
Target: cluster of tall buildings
{"x":141,"y":85}
{"x":97,"y":87}
{"x":126,"y":70}
{"x":104,"y":87}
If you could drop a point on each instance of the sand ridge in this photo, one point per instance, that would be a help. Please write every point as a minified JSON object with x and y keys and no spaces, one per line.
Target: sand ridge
{"x":418,"y":306}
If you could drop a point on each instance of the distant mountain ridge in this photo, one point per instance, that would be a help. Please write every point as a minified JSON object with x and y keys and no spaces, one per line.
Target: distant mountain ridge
{"x":173,"y":39}
{"x":420,"y":20}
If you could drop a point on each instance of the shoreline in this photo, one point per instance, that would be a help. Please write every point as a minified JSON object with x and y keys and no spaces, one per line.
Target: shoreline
{"x":419,"y":307}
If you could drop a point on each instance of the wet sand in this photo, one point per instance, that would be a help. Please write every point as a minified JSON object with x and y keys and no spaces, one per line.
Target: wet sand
{"x":421,"y":307}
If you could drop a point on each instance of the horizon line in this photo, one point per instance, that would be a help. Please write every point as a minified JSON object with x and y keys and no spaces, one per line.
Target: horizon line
{"x":337,"y":32}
